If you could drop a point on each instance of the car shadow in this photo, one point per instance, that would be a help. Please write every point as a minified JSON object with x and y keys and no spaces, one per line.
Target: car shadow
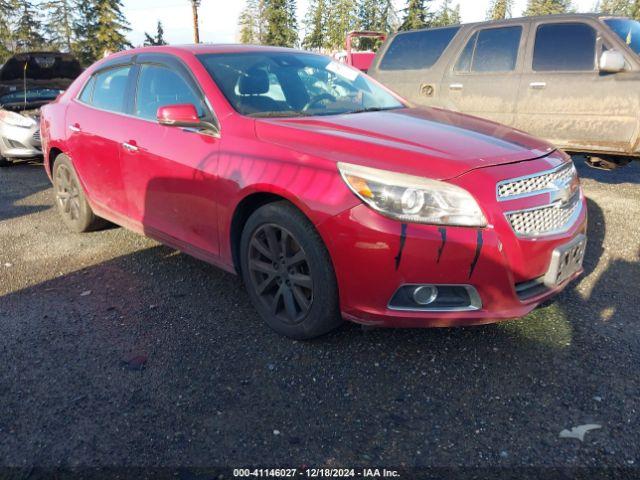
{"x":628,"y":174}
{"x":18,"y":182}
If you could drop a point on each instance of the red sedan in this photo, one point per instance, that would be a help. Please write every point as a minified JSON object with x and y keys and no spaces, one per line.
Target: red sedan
{"x":330,"y":195}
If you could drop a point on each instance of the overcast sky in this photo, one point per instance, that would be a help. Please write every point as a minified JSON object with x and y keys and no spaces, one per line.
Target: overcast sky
{"x":219,"y":18}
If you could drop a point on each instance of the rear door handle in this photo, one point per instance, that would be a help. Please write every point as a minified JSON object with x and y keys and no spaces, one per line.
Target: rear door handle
{"x":537,"y":85}
{"x":75,"y":128}
{"x":130,"y":147}
{"x":456,"y":86}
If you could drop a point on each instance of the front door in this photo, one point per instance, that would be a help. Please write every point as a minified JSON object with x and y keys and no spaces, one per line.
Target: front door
{"x":483,"y":80}
{"x":566,"y":100}
{"x":170,"y":173}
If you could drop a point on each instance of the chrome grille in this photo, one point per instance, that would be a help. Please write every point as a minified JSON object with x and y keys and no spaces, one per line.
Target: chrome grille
{"x":545,"y":220}
{"x":536,"y":184}
{"x":36,"y":136}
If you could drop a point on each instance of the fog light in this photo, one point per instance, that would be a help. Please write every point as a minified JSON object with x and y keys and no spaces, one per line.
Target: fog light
{"x":425,"y":294}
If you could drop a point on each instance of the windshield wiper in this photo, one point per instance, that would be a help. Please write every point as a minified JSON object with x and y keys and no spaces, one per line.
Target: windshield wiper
{"x":278,"y":114}
{"x":373,"y":109}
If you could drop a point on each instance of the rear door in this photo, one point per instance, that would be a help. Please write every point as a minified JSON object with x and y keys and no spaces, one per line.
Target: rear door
{"x":95,"y":132}
{"x":565,"y":99}
{"x":411,"y":63}
{"x":484,"y":78}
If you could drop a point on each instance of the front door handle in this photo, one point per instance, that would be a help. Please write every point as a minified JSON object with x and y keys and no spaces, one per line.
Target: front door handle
{"x":75,"y":128}
{"x":456,"y":86}
{"x":129,"y":147}
{"x":538,"y":85}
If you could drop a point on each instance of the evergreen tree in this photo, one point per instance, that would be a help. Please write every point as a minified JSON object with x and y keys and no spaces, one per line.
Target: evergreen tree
{"x":157,"y":40}
{"x":376,"y":16}
{"x":315,"y":23}
{"x":446,"y":15}
{"x":500,"y":9}
{"x":341,"y":20}
{"x":110,"y":27}
{"x":59,"y":23}
{"x":547,"y":7}
{"x":84,"y":26}
{"x":282,"y":26}
{"x":247,"y":23}
{"x":7,"y":15}
{"x":635,"y":10}
{"x":617,"y":7}
{"x":27,"y":35}
{"x":416,"y":15}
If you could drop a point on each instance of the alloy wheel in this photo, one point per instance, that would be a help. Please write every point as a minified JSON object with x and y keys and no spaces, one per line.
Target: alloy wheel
{"x":280,"y":273}
{"x":67,"y":193}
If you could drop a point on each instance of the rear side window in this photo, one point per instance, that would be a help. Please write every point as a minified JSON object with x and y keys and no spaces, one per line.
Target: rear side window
{"x":87,"y":93}
{"x":491,"y":50}
{"x":110,"y":88}
{"x":159,"y":87}
{"x":417,"y":50}
{"x":564,"y":47}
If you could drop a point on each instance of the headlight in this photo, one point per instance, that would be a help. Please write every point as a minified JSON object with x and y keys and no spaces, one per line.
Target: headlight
{"x":15,"y":119}
{"x":413,"y":199}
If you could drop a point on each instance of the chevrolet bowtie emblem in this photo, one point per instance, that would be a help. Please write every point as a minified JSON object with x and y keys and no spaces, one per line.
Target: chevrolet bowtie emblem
{"x":562,"y":190}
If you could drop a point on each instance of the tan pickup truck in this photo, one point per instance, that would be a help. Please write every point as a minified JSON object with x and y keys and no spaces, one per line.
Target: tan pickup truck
{"x":571,"y":79}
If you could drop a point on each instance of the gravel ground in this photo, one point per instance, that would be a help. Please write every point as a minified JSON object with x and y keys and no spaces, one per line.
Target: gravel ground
{"x":117,"y":351}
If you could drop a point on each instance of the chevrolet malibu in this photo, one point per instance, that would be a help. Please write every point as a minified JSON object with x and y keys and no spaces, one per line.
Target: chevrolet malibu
{"x":331,"y":196}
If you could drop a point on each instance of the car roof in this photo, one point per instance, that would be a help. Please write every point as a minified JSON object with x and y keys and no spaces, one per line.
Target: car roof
{"x":208,"y":48}
{"x":508,"y":21}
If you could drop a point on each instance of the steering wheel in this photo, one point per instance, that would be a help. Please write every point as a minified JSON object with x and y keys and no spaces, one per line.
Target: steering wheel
{"x":317,"y":99}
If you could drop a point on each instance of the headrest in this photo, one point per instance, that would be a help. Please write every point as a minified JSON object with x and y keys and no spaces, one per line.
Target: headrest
{"x":256,"y":82}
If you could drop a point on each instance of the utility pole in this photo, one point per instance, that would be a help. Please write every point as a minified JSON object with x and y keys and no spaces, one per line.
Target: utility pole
{"x":196,"y":27}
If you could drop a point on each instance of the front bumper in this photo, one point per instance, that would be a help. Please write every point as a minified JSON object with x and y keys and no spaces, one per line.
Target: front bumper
{"x":374,"y":256}
{"x":19,"y":142}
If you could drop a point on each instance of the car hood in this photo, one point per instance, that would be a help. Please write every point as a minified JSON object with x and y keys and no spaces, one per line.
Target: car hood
{"x":421,"y":141}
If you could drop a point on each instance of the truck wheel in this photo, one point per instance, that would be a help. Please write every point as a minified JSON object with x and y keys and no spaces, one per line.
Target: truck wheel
{"x":288,"y":272}
{"x":70,"y":198}
{"x":607,"y":163}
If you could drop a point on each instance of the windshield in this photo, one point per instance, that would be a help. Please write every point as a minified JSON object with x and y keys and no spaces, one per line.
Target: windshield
{"x":279,"y":84}
{"x":628,"y":30}
{"x":33,"y":95}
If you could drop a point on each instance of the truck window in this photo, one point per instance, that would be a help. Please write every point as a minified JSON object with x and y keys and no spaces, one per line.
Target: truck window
{"x":417,"y":50}
{"x":491,"y":50}
{"x":564,"y":47}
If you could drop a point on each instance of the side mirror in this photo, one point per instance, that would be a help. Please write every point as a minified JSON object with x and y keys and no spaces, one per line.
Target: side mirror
{"x":612,"y":61}
{"x":183,"y":116}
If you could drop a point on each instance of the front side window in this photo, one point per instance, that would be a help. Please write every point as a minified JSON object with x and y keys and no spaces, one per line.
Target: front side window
{"x":158,"y":87}
{"x":280,"y":84}
{"x":564,"y":47}
{"x":110,"y":88}
{"x":417,"y":50}
{"x":628,"y":30}
{"x":491,"y":50}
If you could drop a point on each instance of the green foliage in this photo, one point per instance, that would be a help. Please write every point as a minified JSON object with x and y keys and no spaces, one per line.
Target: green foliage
{"x":500,"y":9}
{"x":624,"y":8}
{"x":100,"y":29}
{"x":59,"y":23}
{"x":548,"y":7}
{"x":157,"y":40}
{"x":416,"y":15}
{"x":253,"y":22}
{"x":341,"y":20}
{"x":282,"y":25}
{"x":27,"y":34}
{"x":446,"y":15}
{"x":315,"y":23}
{"x":7,"y":16}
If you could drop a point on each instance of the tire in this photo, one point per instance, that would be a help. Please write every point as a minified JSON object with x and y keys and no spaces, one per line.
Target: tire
{"x":71,"y":201}
{"x":5,"y":162}
{"x":294,"y":288}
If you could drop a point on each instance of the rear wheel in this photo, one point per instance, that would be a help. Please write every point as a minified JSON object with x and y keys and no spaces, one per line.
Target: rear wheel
{"x":288,"y":272}
{"x":70,"y":198}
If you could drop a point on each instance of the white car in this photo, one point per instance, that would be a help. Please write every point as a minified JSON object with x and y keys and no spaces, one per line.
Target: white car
{"x":27,"y":82}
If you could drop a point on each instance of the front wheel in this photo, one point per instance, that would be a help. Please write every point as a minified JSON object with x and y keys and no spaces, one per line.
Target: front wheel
{"x":5,"y":162}
{"x":288,"y":272}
